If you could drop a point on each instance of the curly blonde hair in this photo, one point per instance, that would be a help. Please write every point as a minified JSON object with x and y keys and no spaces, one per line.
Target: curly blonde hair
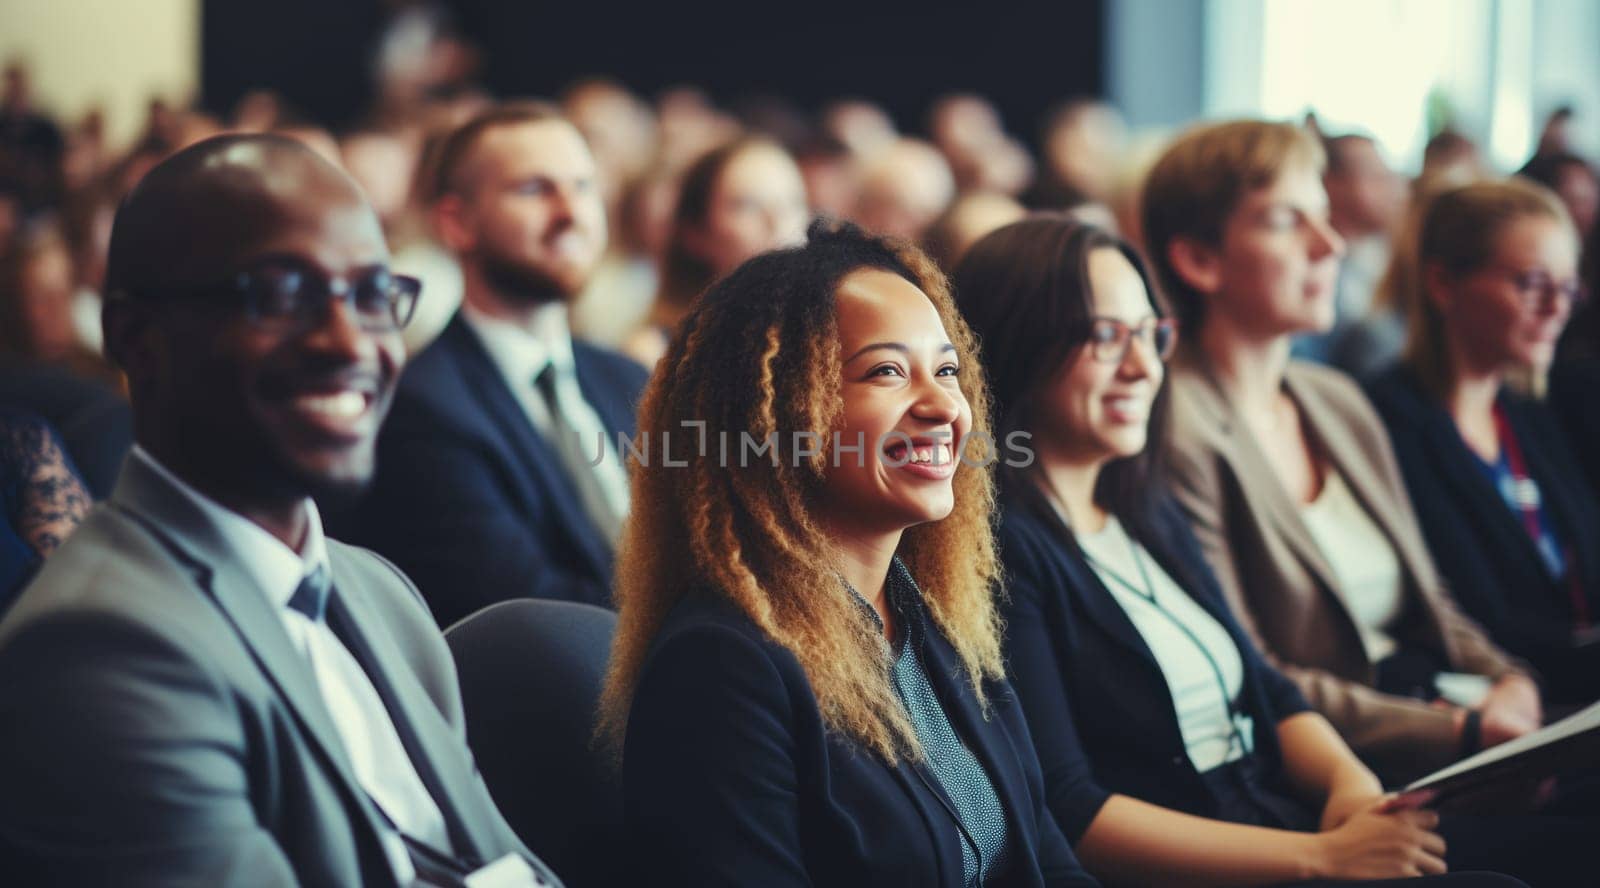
{"x":759,"y":354}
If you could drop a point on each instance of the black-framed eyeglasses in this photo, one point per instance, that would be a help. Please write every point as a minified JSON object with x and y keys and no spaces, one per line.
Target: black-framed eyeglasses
{"x":1537,"y":289}
{"x":1110,"y":338}
{"x":288,"y":296}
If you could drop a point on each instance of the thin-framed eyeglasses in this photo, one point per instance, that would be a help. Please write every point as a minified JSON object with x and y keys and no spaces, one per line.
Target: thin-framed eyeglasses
{"x":1110,"y":338}
{"x":288,"y":296}
{"x":1538,"y":290}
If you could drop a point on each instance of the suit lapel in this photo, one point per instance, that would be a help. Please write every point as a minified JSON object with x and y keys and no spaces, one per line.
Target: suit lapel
{"x":190,"y":536}
{"x":615,"y":413}
{"x":937,"y":814}
{"x":1354,"y":464}
{"x":428,"y":740}
{"x":494,"y":394}
{"x":1249,"y":464}
{"x":1097,"y":600}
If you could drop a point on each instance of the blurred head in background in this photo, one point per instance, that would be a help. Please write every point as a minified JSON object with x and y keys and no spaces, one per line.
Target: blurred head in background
{"x":1365,"y":197}
{"x":516,"y":196}
{"x":1497,"y":264}
{"x":969,"y":218}
{"x":1573,"y":180}
{"x":904,"y":189}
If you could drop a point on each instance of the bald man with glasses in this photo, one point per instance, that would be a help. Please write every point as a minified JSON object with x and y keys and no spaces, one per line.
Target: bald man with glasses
{"x":199,"y":687}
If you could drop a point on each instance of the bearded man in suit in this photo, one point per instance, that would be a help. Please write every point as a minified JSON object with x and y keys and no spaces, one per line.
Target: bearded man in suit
{"x":500,"y":472}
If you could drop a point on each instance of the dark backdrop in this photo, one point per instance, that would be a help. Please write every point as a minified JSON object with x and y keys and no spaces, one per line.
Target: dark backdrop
{"x":1024,"y":56}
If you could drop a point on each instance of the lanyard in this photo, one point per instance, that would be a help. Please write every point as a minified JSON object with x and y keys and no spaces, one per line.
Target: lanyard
{"x":1528,"y":510}
{"x":1148,"y":594}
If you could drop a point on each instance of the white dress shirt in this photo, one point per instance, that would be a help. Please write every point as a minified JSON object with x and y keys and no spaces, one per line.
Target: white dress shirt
{"x":521,"y":354}
{"x":375,"y":750}
{"x":1211,"y":733}
{"x":1364,"y":561}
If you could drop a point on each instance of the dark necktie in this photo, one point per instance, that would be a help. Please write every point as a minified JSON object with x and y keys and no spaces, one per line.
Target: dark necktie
{"x":568,"y":445}
{"x":311,"y":596}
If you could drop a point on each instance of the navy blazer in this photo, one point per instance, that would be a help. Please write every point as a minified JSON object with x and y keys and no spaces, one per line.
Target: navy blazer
{"x":1483,"y":550}
{"x":1096,"y":700}
{"x":729,"y":776}
{"x":470,"y":500}
{"x":1573,"y":384}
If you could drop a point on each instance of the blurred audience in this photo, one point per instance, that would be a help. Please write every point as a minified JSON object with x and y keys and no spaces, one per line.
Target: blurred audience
{"x":1365,"y":202}
{"x":38,"y":293}
{"x":1081,"y":150}
{"x":1574,"y":180}
{"x":1371,"y":343}
{"x":32,"y":145}
{"x":968,"y":219}
{"x":982,"y":157}
{"x":1452,"y":157}
{"x":620,"y":130}
{"x":738,"y":200}
{"x":1491,"y":475}
{"x":42,"y":499}
{"x":904,"y":188}
{"x":864,"y":129}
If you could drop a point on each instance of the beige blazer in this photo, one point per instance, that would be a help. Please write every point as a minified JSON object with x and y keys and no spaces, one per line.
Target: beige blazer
{"x":1279,"y":583}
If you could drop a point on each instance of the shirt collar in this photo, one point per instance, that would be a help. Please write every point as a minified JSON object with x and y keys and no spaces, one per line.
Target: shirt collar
{"x":522,"y":352}
{"x":278,"y":568}
{"x":905,"y":601}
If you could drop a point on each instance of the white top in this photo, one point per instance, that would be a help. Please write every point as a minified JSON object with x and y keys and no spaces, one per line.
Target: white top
{"x":1186,"y":641}
{"x":1362,"y":559}
{"x":522,"y":354}
{"x":377,"y":755}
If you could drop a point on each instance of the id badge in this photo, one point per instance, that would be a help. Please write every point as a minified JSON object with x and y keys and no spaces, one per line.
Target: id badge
{"x":1245,"y":726}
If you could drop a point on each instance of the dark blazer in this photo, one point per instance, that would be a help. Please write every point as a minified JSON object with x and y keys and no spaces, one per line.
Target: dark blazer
{"x":470,"y":500}
{"x":1281,"y":587}
{"x":1493,"y":568}
{"x":1573,"y":386}
{"x":158,"y":726}
{"x":1098,"y":705}
{"x":730,"y":778}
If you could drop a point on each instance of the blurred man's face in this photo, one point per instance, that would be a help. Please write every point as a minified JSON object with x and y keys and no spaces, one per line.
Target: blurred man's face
{"x":1365,"y":196}
{"x":531,"y":217}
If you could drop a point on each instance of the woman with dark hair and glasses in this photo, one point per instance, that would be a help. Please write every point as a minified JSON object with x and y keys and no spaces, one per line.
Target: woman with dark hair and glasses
{"x":1497,"y":488}
{"x":1172,"y":752}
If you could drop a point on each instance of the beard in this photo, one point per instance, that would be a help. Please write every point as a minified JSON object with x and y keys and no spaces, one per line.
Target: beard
{"x":516,"y":280}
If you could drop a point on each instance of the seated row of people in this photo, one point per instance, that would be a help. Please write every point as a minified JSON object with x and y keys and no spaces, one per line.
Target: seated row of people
{"x":816,"y":676}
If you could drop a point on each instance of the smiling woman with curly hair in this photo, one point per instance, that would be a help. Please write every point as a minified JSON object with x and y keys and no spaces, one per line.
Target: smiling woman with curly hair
{"x":806,"y":685}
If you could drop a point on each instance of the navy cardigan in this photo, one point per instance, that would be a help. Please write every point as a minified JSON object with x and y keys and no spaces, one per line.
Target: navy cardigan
{"x":1482,"y":549}
{"x":1097,"y":703}
{"x":731,"y":778}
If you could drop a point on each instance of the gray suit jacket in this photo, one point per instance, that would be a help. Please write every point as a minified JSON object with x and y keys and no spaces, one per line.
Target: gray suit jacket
{"x":157,"y":725}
